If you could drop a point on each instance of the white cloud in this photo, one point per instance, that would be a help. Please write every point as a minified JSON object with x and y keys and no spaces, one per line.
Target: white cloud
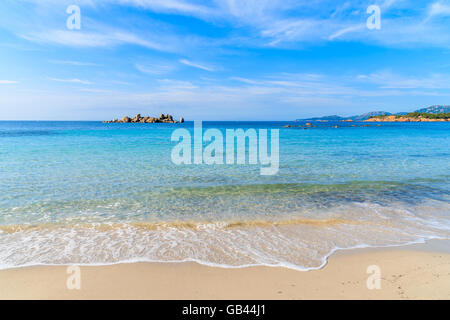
{"x":154,"y":69}
{"x":171,"y":84}
{"x":76,"y":63}
{"x":8,"y":82}
{"x":196,"y":65}
{"x":75,"y":80}
{"x":85,"y":39}
{"x":389,"y":80}
{"x":90,"y":90}
{"x":345,"y":31}
{"x":276,"y":23}
{"x":170,"y":6}
{"x":245,"y":80}
{"x":292,"y":30}
{"x":439,"y":9}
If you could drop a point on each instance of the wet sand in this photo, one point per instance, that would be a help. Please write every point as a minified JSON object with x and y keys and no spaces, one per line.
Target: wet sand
{"x":409,"y":272}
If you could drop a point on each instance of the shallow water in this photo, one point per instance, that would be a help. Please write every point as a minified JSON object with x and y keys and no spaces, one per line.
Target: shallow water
{"x":93,"y":193}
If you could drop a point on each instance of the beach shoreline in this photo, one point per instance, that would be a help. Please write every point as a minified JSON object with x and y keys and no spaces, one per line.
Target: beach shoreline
{"x":419,"y":271}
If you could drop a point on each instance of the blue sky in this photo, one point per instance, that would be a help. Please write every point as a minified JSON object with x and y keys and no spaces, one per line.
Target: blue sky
{"x":221,"y":59}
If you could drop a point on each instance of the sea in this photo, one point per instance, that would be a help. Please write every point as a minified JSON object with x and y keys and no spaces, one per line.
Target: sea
{"x":90,"y":193}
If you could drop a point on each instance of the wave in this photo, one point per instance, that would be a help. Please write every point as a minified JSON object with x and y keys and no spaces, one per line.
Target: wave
{"x":145,"y":225}
{"x":237,"y":206}
{"x":300,"y":243}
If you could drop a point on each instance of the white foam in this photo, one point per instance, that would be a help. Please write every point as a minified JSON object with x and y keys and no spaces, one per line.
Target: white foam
{"x":296,"y":246}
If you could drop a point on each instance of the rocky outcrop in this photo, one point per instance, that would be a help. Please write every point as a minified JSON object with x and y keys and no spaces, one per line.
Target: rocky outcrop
{"x":404,"y":119}
{"x":304,"y":127}
{"x":163,"y":118}
{"x":372,"y":116}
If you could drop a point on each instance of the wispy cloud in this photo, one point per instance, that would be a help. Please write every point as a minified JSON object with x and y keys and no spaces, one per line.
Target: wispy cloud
{"x":260,"y":23}
{"x":75,"y":80}
{"x":196,"y":65}
{"x":86,"y":39}
{"x":76,"y":63}
{"x":389,"y":80}
{"x":176,"y":84}
{"x":8,"y":82}
{"x":91,"y":90}
{"x":154,"y":68}
{"x":171,"y":6}
{"x":345,"y":31}
{"x":245,"y":80}
{"x":439,"y":9}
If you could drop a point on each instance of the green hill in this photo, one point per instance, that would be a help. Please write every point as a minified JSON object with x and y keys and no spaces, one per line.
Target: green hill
{"x":434,"y":109}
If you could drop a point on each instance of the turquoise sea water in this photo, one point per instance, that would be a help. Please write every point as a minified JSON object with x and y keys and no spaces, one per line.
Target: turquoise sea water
{"x":94,"y":193}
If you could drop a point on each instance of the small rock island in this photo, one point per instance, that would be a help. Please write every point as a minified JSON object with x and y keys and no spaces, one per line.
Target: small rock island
{"x":163,"y":118}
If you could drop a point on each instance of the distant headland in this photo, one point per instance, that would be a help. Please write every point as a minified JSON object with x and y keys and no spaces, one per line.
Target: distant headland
{"x":412,"y":117}
{"x":163,"y":118}
{"x":430,"y":114}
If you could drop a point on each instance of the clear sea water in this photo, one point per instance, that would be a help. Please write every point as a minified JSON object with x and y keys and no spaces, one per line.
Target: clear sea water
{"x":94,"y":193}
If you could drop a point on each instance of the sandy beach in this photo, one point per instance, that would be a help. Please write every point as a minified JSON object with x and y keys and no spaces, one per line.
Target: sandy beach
{"x":411,"y":272}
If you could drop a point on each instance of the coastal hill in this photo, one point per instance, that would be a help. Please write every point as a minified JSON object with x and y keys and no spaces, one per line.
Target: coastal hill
{"x":361,"y":117}
{"x":425,"y":114}
{"x":163,"y":118}
{"x":435,"y":109}
{"x":412,"y":117}
{"x":368,"y":115}
{"x":326,"y":118}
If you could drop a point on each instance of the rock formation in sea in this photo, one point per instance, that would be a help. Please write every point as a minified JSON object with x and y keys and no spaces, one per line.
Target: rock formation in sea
{"x":163,"y":118}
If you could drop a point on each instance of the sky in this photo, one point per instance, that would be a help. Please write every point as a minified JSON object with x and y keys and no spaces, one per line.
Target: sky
{"x":221,"y":59}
